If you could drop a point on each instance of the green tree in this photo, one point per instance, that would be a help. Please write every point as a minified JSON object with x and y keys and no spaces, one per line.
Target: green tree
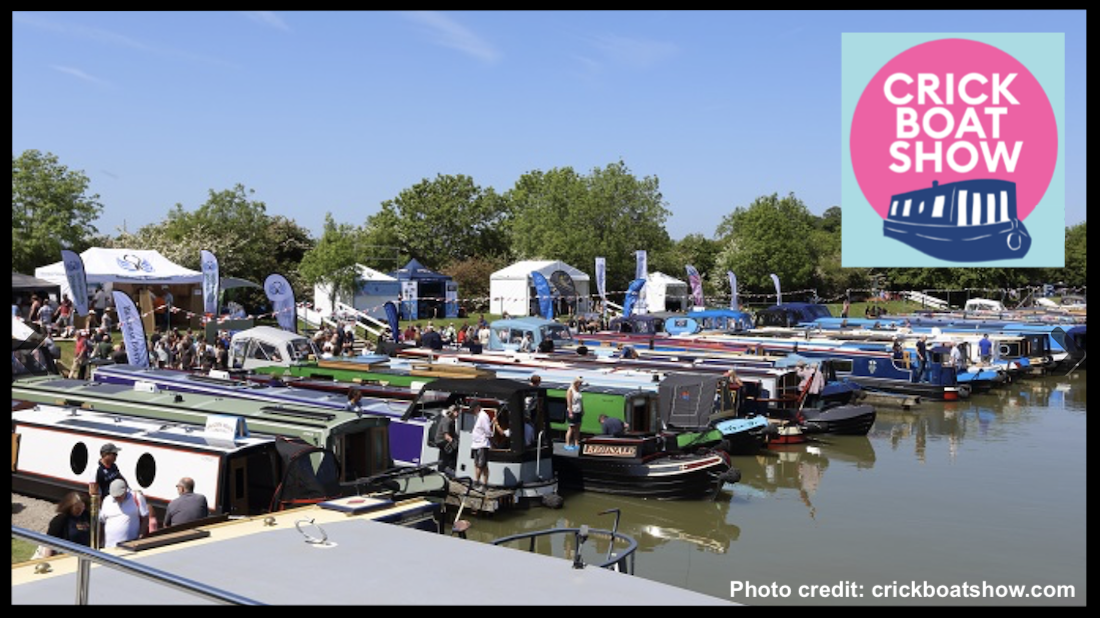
{"x":1075,"y":272}
{"x":50,"y":210}
{"x":248,"y":242}
{"x":564,"y":216}
{"x":332,"y":261}
{"x":441,"y":221}
{"x":472,"y":276}
{"x":771,"y":235}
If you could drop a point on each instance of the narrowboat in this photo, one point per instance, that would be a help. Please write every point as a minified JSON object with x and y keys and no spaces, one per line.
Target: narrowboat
{"x":239,"y":472}
{"x":966,"y":221}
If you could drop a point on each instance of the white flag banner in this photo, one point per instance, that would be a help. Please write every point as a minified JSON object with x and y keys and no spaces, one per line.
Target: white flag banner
{"x":133,"y":332}
{"x":601,"y":280}
{"x":78,"y":280}
{"x":733,"y":290}
{"x":778,"y":293}
{"x":210,"y":282}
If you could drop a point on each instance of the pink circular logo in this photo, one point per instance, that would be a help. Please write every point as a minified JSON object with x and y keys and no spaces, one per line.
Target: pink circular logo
{"x":952,"y":110}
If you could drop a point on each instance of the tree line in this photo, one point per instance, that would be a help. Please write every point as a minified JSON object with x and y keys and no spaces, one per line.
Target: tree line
{"x":455,"y":226}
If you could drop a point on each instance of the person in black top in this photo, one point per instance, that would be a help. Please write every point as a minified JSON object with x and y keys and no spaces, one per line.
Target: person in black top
{"x":922,"y":358}
{"x":72,"y":523}
{"x":107,"y":471}
{"x":612,"y":426}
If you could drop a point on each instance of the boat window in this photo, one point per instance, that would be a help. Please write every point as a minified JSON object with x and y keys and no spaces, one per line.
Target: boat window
{"x":991,"y":207}
{"x":301,"y":349}
{"x":962,"y":208}
{"x":937,"y":206}
{"x":146,"y":471}
{"x":920,"y":209}
{"x":558,"y":333}
{"x":908,"y":203}
{"x":78,"y":458}
{"x":976,"y":215}
{"x":1004,"y":205}
{"x":894,"y":209}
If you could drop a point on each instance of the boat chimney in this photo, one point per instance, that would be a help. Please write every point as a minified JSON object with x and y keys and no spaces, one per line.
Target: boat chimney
{"x":935,"y":183}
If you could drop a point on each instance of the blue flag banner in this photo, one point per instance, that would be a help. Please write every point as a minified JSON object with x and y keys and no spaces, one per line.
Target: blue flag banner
{"x":641,"y":268}
{"x":210,"y":280}
{"x":696,"y":283}
{"x":601,"y":281}
{"x":733,"y":290}
{"x":546,"y":298}
{"x":632,"y":296}
{"x":391,"y":317}
{"x":133,"y":332}
{"x":281,"y":296}
{"x":78,"y":281}
{"x":778,"y":293}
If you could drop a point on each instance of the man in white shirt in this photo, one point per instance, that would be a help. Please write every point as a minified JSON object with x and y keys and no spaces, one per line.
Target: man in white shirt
{"x":483,"y":431}
{"x":124,"y":517}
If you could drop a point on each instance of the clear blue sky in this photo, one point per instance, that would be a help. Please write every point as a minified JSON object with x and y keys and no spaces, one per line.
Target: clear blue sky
{"x":338,"y":111}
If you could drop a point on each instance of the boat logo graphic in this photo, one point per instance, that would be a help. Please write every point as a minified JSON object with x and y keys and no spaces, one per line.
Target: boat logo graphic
{"x":966,"y":221}
{"x":871,"y":365}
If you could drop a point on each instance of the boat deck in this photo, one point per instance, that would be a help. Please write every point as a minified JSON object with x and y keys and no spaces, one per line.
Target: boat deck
{"x":367,"y":563}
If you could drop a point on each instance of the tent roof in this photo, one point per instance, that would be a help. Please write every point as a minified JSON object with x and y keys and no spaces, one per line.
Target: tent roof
{"x":27,"y":282}
{"x":522,"y":270}
{"x":416,"y":270}
{"x":228,"y":283}
{"x":123,"y":266}
{"x":658,"y":277}
{"x":366,"y":273}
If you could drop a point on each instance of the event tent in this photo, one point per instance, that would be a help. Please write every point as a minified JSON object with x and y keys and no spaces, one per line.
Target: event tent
{"x":375,"y":288}
{"x":511,"y":289}
{"x":666,"y":293}
{"x":425,"y":293}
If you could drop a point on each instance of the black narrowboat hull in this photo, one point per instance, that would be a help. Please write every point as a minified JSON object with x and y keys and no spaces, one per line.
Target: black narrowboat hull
{"x":662,"y":477}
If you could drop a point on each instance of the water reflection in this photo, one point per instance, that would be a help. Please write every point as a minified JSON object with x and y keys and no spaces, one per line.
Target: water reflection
{"x":799,"y":467}
{"x":703,"y":525}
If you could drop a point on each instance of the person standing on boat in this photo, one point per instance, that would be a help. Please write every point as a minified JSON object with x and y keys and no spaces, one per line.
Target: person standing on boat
{"x":124,"y":517}
{"x":107,"y":471}
{"x":575,"y":408}
{"x":956,"y":356}
{"x":922,"y":357}
{"x":188,"y":506}
{"x":812,"y":382}
{"x":985,"y":348}
{"x":446,"y":440}
{"x":482,"y":434}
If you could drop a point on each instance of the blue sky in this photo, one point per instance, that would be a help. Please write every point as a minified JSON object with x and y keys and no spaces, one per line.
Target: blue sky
{"x":338,"y":111}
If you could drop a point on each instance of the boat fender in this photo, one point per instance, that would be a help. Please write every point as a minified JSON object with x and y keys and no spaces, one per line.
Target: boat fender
{"x":733,"y":475}
{"x":553,"y":501}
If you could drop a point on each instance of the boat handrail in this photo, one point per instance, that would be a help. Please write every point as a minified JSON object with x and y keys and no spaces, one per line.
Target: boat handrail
{"x":86,"y":556}
{"x":622,"y":562}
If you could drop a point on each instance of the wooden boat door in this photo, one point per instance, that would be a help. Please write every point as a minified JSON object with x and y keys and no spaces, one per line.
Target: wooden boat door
{"x":237,"y":494}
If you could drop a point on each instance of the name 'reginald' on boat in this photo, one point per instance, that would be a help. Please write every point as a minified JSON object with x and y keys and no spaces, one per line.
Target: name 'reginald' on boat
{"x":966,"y":221}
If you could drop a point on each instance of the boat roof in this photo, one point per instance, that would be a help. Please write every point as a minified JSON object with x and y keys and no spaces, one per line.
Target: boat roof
{"x":269,"y":333}
{"x":126,"y":429}
{"x":365,"y":562}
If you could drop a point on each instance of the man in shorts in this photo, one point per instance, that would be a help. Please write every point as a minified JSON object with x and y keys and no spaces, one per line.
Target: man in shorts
{"x":482,"y":434}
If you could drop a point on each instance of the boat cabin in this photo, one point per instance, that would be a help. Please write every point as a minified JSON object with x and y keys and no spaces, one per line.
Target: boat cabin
{"x":264,"y":346}
{"x":509,"y":334}
{"x":55,"y":450}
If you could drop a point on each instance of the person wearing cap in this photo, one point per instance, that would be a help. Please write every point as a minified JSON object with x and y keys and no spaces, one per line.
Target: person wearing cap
{"x":188,"y":506}
{"x":446,"y":440}
{"x":108,"y":471}
{"x":575,"y":409}
{"x":124,"y":516}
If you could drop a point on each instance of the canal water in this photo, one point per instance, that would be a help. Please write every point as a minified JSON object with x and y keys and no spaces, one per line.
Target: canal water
{"x":973,"y":503}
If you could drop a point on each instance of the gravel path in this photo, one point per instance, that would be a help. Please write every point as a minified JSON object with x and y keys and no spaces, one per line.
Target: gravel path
{"x":31,"y":513}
